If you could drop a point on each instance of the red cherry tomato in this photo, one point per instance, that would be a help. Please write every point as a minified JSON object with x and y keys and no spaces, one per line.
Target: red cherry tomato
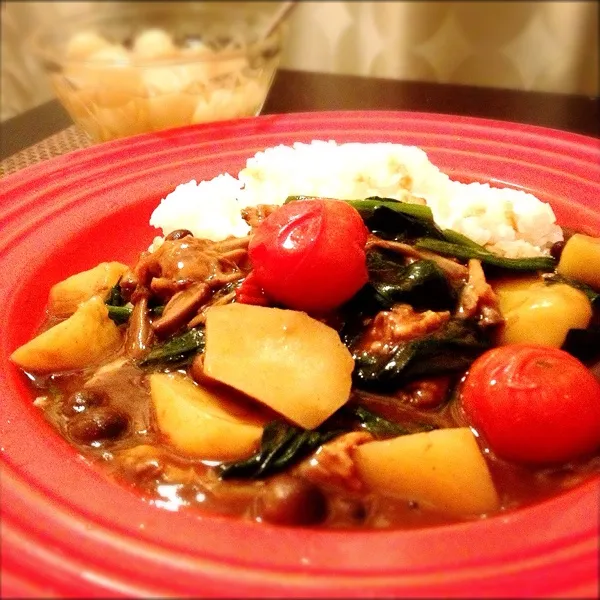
{"x":310,"y":254}
{"x":533,"y":404}
{"x":250,"y":292}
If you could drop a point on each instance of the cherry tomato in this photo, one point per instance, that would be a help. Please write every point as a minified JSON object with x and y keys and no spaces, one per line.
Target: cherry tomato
{"x":310,"y":254}
{"x":533,"y":404}
{"x":250,"y":292}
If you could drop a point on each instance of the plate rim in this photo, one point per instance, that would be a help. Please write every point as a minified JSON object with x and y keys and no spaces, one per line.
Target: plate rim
{"x":56,"y":164}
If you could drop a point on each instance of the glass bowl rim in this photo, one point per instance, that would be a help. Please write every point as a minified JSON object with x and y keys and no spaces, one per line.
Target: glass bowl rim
{"x":38,"y":42}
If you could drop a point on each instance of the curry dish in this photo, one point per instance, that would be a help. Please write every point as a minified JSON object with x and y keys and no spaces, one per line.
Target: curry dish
{"x":345,"y":365}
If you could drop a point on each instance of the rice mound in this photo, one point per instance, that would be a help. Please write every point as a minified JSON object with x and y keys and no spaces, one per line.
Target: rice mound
{"x":510,"y":222}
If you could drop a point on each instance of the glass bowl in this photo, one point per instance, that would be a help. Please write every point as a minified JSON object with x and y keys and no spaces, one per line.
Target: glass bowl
{"x":140,"y":68}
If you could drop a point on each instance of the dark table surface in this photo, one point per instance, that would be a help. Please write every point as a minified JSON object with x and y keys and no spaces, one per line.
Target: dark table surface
{"x":298,"y":91}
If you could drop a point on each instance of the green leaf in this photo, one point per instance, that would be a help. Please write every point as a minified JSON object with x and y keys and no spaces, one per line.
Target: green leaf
{"x":422,"y":284}
{"x":449,"y":350}
{"x":177,"y":349}
{"x":380,"y":427}
{"x":462,"y":240}
{"x":389,"y":217}
{"x":119,"y":314}
{"x":368,"y":206}
{"x":473,"y":250}
{"x":282,"y":445}
{"x":115,"y":298}
{"x":375,"y":424}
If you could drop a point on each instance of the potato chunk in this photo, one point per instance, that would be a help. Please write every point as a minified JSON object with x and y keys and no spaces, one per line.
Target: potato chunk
{"x":537,"y":313}
{"x":285,"y":359}
{"x":203,"y":422}
{"x":67,"y":295}
{"x":580,"y":259}
{"x":82,"y":340}
{"x":442,"y":469}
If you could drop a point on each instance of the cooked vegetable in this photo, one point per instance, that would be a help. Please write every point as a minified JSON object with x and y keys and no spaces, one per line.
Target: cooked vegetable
{"x":310,"y":255}
{"x":115,"y":295}
{"x":398,"y":221}
{"x":119,"y":314}
{"x":288,"y":500}
{"x":421,"y":284}
{"x":281,"y":446}
{"x":452,"y":349}
{"x":251,"y":410}
{"x":552,"y":278}
{"x":368,"y":206}
{"x":580,"y":259}
{"x":202,"y":422}
{"x":469,"y":250}
{"x":87,"y":337}
{"x":379,"y":426}
{"x":543,"y":406}
{"x":285,"y":359}
{"x":178,"y":349}
{"x":442,"y":470}
{"x":540,"y":314}
{"x":97,"y":425}
{"x":66,"y":296}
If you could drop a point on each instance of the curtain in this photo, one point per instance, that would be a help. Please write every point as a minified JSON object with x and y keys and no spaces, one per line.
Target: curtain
{"x":544,"y":46}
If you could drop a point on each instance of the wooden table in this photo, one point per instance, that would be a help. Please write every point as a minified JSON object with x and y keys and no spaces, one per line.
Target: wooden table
{"x":48,"y":130}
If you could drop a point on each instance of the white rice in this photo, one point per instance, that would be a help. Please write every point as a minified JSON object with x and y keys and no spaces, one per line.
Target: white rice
{"x":511,"y":222}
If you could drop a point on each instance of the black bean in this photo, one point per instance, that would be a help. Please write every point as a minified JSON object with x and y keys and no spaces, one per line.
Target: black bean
{"x":96,"y":425}
{"x":557,"y":249}
{"x":82,"y":400}
{"x":288,"y":500}
{"x":178,"y":234}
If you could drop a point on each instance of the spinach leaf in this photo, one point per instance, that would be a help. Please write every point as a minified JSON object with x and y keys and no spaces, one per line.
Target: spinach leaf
{"x":116,"y":304}
{"x":119,"y":310}
{"x":180,"y":348}
{"x":118,"y":313}
{"x":467,"y":249}
{"x":453,"y":237}
{"x":421,"y":284}
{"x":451,"y":349}
{"x":391,"y":219}
{"x":390,"y":224}
{"x":365,"y":303}
{"x":395,"y":220}
{"x":281,"y":446}
{"x":115,"y":298}
{"x":419,"y":212}
{"x":379,"y":426}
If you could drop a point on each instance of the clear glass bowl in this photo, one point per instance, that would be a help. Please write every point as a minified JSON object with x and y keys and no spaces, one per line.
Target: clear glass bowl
{"x":136,"y":69}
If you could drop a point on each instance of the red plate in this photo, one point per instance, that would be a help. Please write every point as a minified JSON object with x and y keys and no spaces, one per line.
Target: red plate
{"x":69,"y":531}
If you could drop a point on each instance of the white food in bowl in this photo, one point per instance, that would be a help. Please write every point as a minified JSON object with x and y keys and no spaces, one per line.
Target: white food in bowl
{"x":161,"y":84}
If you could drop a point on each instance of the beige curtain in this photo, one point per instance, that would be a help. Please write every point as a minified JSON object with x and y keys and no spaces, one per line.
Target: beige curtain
{"x":546,"y":46}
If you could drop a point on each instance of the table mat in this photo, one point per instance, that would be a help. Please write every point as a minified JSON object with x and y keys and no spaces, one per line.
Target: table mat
{"x":67,"y":140}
